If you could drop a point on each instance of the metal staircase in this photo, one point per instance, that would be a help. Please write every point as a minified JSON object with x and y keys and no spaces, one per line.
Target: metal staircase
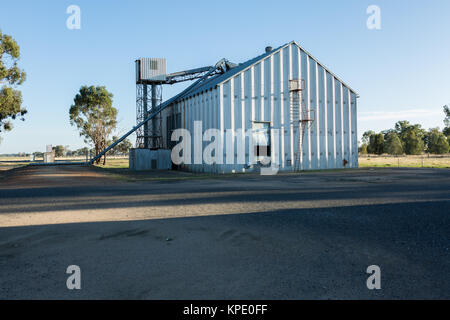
{"x":301,"y":118}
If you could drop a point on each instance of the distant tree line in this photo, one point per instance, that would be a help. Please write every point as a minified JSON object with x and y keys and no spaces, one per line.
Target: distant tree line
{"x":64,"y":151}
{"x":407,"y":138}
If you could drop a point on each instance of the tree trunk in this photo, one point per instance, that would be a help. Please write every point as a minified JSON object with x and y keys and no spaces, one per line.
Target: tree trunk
{"x":96,"y":154}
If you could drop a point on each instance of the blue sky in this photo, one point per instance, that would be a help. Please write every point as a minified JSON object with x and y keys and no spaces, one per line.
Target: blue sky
{"x":402,"y":72}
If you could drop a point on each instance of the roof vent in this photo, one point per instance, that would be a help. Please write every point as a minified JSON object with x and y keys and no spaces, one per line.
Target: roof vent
{"x":268,"y":49}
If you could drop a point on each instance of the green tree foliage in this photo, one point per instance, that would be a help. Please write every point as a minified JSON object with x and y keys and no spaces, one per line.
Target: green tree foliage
{"x":413,"y":144}
{"x":363,"y":149}
{"x":82,"y":151}
{"x":409,"y":138}
{"x":401,"y":126}
{"x":366,"y":137}
{"x":10,"y":77}
{"x":404,"y":127}
{"x":121,"y":148}
{"x":376,"y":142}
{"x":94,"y":115}
{"x":446,"y":130}
{"x":366,"y":141}
{"x":59,"y":151}
{"x":392,"y":144}
{"x":412,"y":137}
{"x":436,"y":142}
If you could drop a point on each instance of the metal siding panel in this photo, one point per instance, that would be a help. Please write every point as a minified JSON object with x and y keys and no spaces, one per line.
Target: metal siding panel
{"x":317,"y":121}
{"x":325,"y":129}
{"x":191,"y":128}
{"x":345,"y":123}
{"x":216,"y":118}
{"x":206,"y":116}
{"x":203,"y":117}
{"x":205,"y":126}
{"x":192,"y":132}
{"x":349,"y":129}
{"x":286,"y":65}
{"x":164,"y":115}
{"x":263,"y":89}
{"x":187,"y":119}
{"x":193,"y":108}
{"x":257,"y":92}
{"x":281,"y":106}
{"x":237,"y":112}
{"x":243,"y":116}
{"x":213,"y":108}
{"x":250,"y":97}
{"x":237,"y":102}
{"x":338,"y":122}
{"x":313,"y":105}
{"x":331,"y":128}
{"x":222,"y":102}
{"x":323,"y":119}
{"x":295,"y":73}
{"x":306,"y":100}
{"x":230,"y":144}
{"x":354,"y":129}
{"x":268,"y":89}
{"x":249,"y":107}
{"x":197,"y":110}
{"x":275,"y":108}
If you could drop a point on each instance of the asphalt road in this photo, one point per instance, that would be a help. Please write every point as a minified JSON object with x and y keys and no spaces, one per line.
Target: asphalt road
{"x":308,"y":236}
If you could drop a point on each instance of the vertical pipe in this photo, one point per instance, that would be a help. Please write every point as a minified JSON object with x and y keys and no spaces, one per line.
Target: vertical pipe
{"x":146,"y":144}
{"x":153,"y":141}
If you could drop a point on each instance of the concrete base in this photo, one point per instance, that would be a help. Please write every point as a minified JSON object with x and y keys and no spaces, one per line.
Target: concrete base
{"x":146,"y":159}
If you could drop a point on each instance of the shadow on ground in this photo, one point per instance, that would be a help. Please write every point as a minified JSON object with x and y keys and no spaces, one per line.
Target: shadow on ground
{"x":295,"y":251}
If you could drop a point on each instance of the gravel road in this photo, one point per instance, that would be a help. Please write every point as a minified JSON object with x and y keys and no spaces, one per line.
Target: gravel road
{"x":307,"y":236}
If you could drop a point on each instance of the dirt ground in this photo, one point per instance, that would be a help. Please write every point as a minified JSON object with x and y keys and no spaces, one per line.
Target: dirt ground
{"x":182,"y":236}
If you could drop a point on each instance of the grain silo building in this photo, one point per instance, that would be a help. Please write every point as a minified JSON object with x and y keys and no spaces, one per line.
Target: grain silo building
{"x":285,"y":89}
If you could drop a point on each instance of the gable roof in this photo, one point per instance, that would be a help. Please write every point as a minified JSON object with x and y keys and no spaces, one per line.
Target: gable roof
{"x":224,"y":77}
{"x":324,"y":67}
{"x":213,"y":82}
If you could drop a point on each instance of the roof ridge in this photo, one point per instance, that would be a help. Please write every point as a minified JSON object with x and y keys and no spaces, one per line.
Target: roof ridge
{"x":219,"y":79}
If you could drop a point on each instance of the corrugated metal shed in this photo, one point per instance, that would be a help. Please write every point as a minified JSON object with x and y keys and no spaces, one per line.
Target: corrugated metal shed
{"x":257,"y":91}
